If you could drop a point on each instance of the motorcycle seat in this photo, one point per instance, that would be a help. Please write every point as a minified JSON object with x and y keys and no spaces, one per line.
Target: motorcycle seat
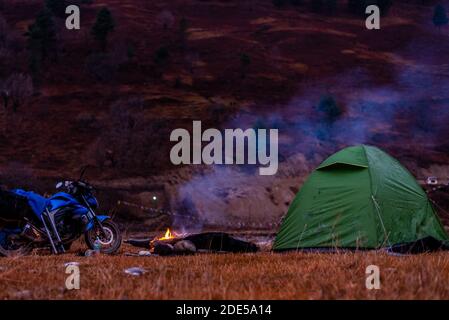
{"x":37,"y":202}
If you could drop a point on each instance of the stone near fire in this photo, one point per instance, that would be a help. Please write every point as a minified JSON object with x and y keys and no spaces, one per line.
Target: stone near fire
{"x":184,"y":247}
{"x":144,"y":253}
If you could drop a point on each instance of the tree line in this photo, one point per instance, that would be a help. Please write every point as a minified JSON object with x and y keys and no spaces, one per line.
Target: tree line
{"x":42,"y":47}
{"x":330,"y":6}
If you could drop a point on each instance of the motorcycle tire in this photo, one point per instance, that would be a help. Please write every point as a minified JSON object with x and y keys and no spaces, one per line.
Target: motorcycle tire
{"x":108,"y":246}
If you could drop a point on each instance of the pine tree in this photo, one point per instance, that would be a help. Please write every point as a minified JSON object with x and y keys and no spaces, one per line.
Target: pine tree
{"x":245,"y":61}
{"x":355,"y":6}
{"x":279,"y":3}
{"x":57,"y":7}
{"x":439,"y":16}
{"x":41,"y":39}
{"x":384,"y":6}
{"x":330,"y":6}
{"x":317,"y":6}
{"x":161,"y":56}
{"x":104,"y":25}
{"x":183,"y":27}
{"x":296,"y":2}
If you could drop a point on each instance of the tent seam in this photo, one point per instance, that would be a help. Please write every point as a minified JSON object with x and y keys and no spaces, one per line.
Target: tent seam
{"x":371,"y":192}
{"x":381,"y":221}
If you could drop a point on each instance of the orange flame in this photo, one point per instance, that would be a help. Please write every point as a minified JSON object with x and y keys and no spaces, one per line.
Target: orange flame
{"x":168,"y":235}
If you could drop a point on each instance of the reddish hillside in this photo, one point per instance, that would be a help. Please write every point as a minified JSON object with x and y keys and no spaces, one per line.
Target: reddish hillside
{"x":229,"y":64}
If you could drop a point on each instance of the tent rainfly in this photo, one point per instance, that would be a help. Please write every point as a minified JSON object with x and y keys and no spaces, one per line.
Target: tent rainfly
{"x":359,"y":198}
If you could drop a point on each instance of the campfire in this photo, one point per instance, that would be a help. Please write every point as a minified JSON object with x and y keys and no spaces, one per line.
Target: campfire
{"x":168,"y":235}
{"x":187,"y":243}
{"x":164,"y":244}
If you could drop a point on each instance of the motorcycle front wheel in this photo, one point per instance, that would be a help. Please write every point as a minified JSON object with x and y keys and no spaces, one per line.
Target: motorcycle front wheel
{"x":110,"y":242}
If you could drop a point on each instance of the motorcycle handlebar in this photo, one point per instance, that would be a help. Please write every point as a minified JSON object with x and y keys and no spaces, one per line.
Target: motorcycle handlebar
{"x":78,"y":183}
{"x":86,"y":185}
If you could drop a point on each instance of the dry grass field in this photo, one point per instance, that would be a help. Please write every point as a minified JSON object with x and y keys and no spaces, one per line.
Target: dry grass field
{"x":229,"y":276}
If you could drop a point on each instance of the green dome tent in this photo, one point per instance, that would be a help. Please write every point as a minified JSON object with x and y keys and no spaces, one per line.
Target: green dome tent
{"x":360,"y":197}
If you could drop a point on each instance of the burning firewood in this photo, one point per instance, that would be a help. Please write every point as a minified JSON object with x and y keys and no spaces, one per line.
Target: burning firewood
{"x":162,"y":248}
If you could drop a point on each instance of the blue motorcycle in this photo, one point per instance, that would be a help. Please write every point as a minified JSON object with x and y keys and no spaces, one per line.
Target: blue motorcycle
{"x":28,"y":220}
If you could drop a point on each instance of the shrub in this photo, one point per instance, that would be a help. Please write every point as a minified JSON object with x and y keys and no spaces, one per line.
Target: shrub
{"x":17,"y":89}
{"x":439,"y":16}
{"x":161,"y":55}
{"x":218,"y":112}
{"x":165,"y":19}
{"x":329,"y":107}
{"x":86,"y":121}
